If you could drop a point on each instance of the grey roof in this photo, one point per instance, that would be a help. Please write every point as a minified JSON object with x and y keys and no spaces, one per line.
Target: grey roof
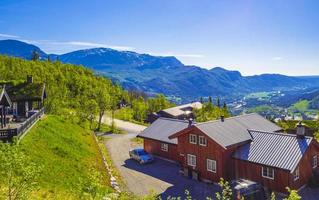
{"x":233,"y":130}
{"x":162,"y":128}
{"x":180,"y":110}
{"x":279,"y":150}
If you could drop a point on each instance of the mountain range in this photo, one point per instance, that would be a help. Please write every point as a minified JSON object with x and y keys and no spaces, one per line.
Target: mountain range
{"x":167,"y":75}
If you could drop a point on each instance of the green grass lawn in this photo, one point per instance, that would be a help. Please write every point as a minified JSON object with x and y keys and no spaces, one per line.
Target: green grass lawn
{"x":68,"y":155}
{"x":301,"y":106}
{"x":258,"y":95}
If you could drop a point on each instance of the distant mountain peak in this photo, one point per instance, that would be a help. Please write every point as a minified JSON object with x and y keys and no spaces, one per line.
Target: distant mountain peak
{"x":19,"y":49}
{"x":163,"y":74}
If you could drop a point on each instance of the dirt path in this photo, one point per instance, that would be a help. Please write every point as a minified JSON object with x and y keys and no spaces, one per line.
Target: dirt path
{"x":124,"y":125}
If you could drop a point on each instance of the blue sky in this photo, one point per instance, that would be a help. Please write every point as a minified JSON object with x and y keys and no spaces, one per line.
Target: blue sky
{"x":252,"y":36}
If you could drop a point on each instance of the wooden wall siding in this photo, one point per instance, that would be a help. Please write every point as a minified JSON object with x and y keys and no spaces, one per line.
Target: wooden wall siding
{"x":283,"y":178}
{"x":305,"y":167}
{"x":154,"y":147}
{"x":252,"y":171}
{"x":212,"y":151}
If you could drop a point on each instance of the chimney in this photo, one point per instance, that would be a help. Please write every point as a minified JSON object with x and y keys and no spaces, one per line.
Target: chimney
{"x":190,"y":122}
{"x":29,"y":79}
{"x":222,"y":118}
{"x":300,"y":130}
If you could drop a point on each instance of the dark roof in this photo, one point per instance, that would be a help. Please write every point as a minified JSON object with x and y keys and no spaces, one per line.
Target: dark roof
{"x":162,"y":128}
{"x":233,"y":130}
{"x":180,"y":110}
{"x":26,"y":91}
{"x":4,"y":97}
{"x":279,"y":150}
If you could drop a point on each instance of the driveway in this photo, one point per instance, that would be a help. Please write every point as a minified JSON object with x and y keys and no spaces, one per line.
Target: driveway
{"x":161,"y":176}
{"x":124,"y":125}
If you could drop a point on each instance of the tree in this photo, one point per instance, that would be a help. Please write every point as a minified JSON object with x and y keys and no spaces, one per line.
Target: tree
{"x":115,"y":93}
{"x":201,"y":100}
{"x":104,"y":103}
{"x":139,"y":109}
{"x":158,"y":103}
{"x":293,"y":195}
{"x":226,"y":193}
{"x":218,"y":102}
{"x":210,"y":99}
{"x":35,"y":55}
{"x":17,"y":172}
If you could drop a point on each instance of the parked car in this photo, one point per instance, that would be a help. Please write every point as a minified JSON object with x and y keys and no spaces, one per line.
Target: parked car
{"x":248,"y":189}
{"x":141,"y":156}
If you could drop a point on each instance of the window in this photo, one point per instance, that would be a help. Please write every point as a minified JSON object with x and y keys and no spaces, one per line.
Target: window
{"x":192,"y":139}
{"x":314,"y":161}
{"x":211,"y":165}
{"x":164,"y":147}
{"x":296,"y":174}
{"x":202,"y":141}
{"x":191,"y":160}
{"x":268,"y":172}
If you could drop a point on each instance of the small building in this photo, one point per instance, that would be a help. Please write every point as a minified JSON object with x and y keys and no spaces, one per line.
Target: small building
{"x":21,"y":104}
{"x":181,"y":112}
{"x":243,"y":147}
{"x":156,"y":139}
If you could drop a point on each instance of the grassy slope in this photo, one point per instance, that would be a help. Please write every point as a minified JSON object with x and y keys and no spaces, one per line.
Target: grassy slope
{"x":66,"y":152}
{"x":301,"y":106}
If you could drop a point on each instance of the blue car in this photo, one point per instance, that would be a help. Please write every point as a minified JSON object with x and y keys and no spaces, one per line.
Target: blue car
{"x":141,"y":156}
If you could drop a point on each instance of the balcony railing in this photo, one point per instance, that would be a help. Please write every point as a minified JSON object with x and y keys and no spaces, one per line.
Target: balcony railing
{"x":8,"y":134}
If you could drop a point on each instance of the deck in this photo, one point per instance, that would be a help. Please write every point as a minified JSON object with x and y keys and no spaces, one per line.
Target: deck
{"x":19,"y":128}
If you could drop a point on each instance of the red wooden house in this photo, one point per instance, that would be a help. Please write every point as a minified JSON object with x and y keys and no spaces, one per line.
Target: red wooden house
{"x":233,"y":148}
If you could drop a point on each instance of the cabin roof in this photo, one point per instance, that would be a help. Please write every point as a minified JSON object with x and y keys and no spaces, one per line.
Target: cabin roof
{"x":278,"y":150}
{"x":233,"y":130}
{"x":180,"y":110}
{"x":26,"y":91}
{"x":4,"y":97}
{"x":162,"y":128}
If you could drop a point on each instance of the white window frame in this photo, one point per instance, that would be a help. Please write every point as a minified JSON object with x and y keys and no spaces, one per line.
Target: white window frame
{"x":212,"y":163}
{"x":164,"y":147}
{"x":296,"y":174}
{"x":191,"y":160}
{"x":314,"y":161}
{"x":202,"y":141}
{"x":268,"y":170}
{"x":192,"y":139}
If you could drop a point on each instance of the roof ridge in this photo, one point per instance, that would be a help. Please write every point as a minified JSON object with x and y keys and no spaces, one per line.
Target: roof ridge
{"x":274,"y":133}
{"x":179,"y":106}
{"x":172,"y":119}
{"x":233,"y":117}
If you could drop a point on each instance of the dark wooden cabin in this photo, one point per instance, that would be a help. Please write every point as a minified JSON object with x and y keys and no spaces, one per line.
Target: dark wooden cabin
{"x":21,"y":104}
{"x":26,"y":97}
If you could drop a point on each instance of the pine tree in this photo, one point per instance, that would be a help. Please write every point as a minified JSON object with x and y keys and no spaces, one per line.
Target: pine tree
{"x":210,"y":99}
{"x":35,"y":55}
{"x":218,"y":102}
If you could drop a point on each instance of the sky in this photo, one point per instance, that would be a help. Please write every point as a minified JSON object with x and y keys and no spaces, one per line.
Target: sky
{"x":251,"y":36}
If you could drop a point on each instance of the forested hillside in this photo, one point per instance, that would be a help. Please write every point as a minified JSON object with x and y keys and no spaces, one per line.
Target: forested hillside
{"x":77,"y":92}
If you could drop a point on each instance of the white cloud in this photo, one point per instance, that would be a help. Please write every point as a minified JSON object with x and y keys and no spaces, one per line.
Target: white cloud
{"x":277,"y":58}
{"x":75,"y":44}
{"x":179,"y":55}
{"x":8,"y":36}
